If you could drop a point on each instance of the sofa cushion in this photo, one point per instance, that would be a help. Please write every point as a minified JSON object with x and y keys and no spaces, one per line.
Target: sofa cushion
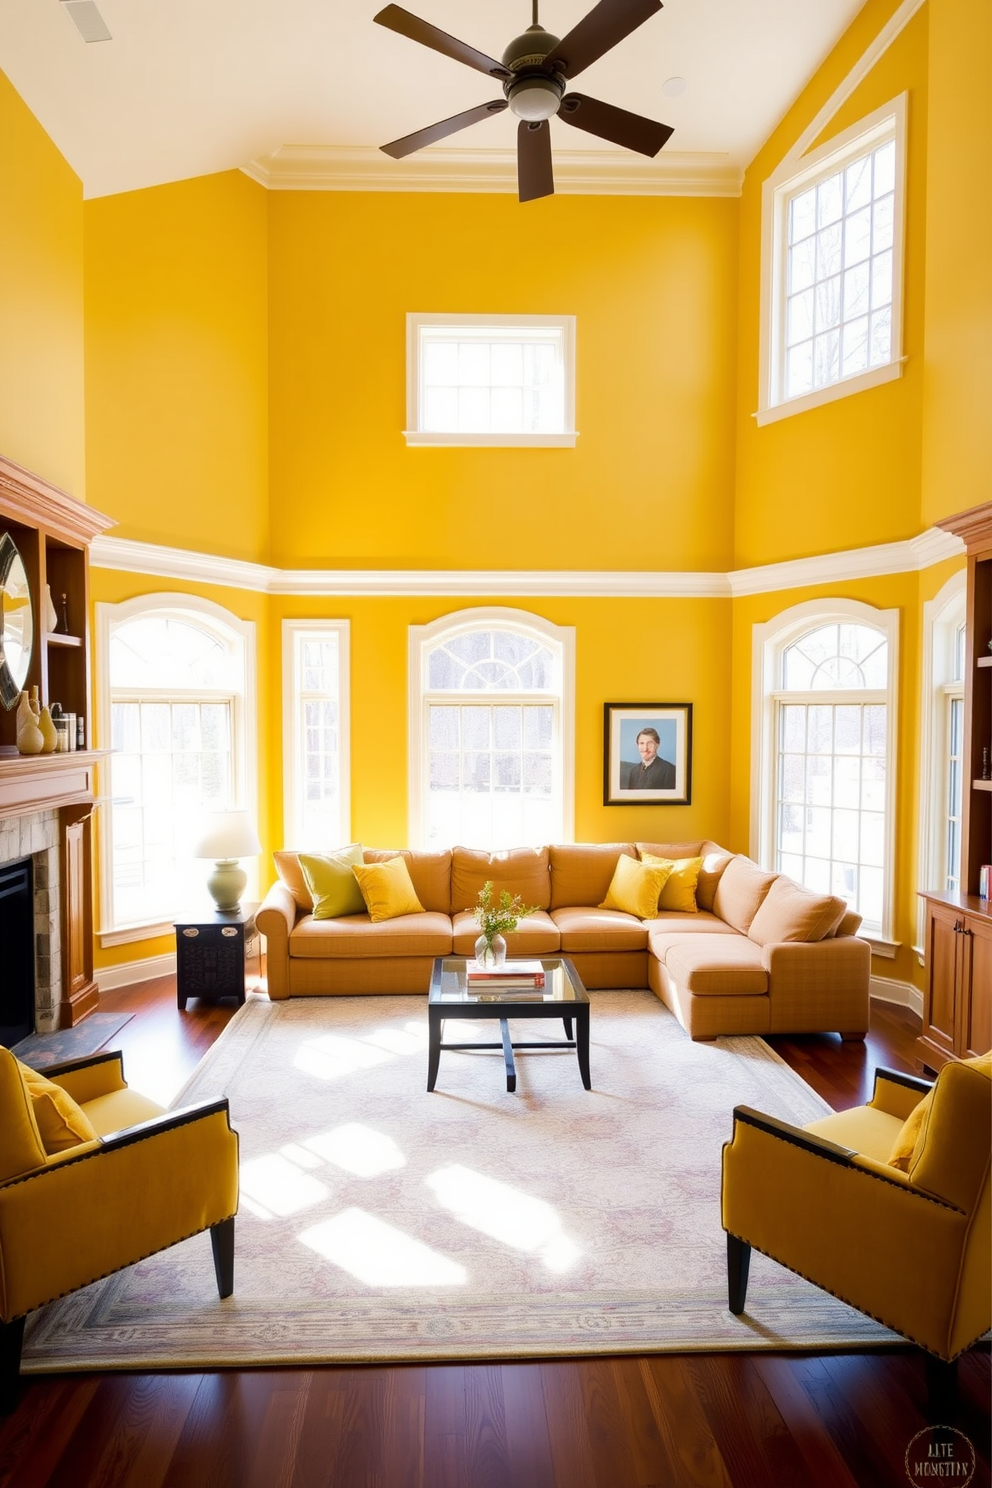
{"x":387,"y":889}
{"x":518,"y":870}
{"x":425,"y":934}
{"x":430,"y":873}
{"x":599,"y":930}
{"x":581,"y":872}
{"x":715,"y":859}
{"x":679,"y":892}
{"x":636,"y":887}
{"x":850,"y":923}
{"x":663,"y":930}
{"x":289,"y":870}
{"x":333,"y":887}
{"x":741,"y":892}
{"x":536,"y":935}
{"x":717,"y":965}
{"x":790,"y":912}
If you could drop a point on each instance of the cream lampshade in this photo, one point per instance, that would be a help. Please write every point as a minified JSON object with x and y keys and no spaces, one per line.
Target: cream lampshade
{"x":228,"y":836}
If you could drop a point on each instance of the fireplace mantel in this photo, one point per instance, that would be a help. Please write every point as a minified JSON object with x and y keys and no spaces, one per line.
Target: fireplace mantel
{"x":45,"y":782}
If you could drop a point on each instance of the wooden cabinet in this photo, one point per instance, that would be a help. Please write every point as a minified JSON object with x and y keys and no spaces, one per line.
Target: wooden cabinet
{"x":957,"y":998}
{"x":52,"y":532}
{"x":957,"y":1007}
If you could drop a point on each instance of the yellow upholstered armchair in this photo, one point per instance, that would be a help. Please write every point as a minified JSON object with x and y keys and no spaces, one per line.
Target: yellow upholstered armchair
{"x":93,"y":1177}
{"x":885,"y":1206}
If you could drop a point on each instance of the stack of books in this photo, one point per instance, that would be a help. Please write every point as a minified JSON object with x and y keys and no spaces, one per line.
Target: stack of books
{"x":522,"y":977}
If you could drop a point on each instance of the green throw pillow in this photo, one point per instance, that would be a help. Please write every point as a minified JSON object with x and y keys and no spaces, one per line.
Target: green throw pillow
{"x":333,"y":887}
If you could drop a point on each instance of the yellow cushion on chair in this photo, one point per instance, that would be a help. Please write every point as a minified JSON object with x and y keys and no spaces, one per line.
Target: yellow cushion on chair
{"x":387,"y":889}
{"x":61,"y":1122}
{"x":636,"y":887}
{"x":21,"y":1147}
{"x":909,"y":1144}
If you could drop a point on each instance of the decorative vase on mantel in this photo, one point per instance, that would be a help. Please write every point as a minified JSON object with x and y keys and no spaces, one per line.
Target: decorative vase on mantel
{"x":30,"y":739}
{"x":490,"y":953}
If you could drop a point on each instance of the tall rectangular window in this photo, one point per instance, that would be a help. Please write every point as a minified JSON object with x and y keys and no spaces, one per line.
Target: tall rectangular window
{"x":832,"y":260}
{"x":490,"y":380}
{"x":315,"y":670}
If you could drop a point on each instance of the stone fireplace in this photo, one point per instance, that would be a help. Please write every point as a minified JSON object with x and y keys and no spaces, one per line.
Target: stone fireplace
{"x":36,"y":837}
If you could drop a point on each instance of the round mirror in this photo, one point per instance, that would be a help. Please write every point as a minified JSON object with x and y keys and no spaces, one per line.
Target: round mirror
{"x":16,"y":624}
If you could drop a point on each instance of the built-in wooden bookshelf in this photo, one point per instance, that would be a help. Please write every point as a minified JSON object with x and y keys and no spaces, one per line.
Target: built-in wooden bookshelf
{"x":957,"y":1001}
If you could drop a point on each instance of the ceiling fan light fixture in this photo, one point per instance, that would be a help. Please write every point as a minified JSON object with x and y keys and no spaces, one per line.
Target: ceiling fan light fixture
{"x":534,"y":98}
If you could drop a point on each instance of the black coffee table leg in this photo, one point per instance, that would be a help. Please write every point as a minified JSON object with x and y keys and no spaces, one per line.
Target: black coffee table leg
{"x":511,"y":1069}
{"x":434,"y":1024}
{"x":582,"y":1044}
{"x":568,"y":1028}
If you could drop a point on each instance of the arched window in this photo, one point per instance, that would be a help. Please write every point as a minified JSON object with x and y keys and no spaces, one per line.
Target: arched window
{"x":176,"y":674}
{"x":490,"y":730}
{"x":825,"y":752}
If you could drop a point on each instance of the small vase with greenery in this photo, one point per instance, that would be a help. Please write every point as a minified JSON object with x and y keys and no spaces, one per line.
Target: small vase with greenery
{"x":496,"y":920}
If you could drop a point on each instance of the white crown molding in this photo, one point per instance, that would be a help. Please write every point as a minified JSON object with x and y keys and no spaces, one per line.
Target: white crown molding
{"x":911,"y":556}
{"x":577,"y":172}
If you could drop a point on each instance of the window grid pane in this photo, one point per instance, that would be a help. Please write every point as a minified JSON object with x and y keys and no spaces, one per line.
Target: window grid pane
{"x":317,"y":709}
{"x":839,"y":274}
{"x":172,"y":762}
{"x":830,"y":807}
{"x":491,"y":773}
{"x":492,"y":383}
{"x":955,"y":766}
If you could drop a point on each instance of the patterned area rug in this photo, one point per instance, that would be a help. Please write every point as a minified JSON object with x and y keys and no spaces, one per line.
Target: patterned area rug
{"x":382,"y":1223}
{"x":42,"y":1049}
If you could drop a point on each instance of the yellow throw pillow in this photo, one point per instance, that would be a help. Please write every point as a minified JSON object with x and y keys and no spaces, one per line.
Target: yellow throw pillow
{"x":21,"y":1147}
{"x":332,"y":884}
{"x":901,"y":1156}
{"x":387,"y":890}
{"x":61,"y":1123}
{"x":636,"y":887}
{"x":679,"y":892}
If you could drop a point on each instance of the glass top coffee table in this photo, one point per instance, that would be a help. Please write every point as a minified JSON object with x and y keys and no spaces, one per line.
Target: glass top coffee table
{"x":562,"y":996}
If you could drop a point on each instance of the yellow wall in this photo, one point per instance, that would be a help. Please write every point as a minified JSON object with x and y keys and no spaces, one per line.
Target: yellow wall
{"x":957,"y":439}
{"x":176,"y":364}
{"x":41,"y":301}
{"x":650,"y":481}
{"x":846,"y":474}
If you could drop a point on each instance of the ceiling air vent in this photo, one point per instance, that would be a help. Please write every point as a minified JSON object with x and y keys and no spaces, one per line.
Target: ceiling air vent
{"x":89,"y":22}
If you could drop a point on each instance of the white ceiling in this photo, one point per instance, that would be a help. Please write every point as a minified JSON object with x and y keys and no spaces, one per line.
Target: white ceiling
{"x":187,"y":87}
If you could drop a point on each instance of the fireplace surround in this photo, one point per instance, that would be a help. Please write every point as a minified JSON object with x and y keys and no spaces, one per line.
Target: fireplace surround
{"x":35,"y":838}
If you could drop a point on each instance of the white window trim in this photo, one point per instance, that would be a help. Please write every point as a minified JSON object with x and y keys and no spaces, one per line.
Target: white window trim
{"x":768,"y":641}
{"x":245,"y":754}
{"x":292,"y":739}
{"x":417,"y":437}
{"x":781,"y":184}
{"x":946,"y":611}
{"x":423,"y":638}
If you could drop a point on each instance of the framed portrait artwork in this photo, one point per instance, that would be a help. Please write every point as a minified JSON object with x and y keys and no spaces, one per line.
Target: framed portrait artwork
{"x":647,"y":754}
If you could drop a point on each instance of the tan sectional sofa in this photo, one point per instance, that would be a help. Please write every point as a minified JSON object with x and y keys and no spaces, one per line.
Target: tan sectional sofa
{"x":760,"y":954}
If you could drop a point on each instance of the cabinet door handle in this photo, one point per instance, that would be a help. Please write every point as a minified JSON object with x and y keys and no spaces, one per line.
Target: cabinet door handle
{"x":957,"y":927}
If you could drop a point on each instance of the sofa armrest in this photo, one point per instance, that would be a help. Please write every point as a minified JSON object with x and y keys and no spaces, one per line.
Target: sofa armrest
{"x":275,"y":918}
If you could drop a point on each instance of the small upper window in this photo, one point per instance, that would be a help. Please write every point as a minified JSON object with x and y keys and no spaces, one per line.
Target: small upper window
{"x":836,"y":268}
{"x":491,"y":380}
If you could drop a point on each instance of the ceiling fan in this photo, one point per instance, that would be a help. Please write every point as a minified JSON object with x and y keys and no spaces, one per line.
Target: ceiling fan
{"x":534,"y":71}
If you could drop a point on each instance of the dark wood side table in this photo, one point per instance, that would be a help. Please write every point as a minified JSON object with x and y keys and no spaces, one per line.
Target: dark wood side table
{"x":216,"y":950}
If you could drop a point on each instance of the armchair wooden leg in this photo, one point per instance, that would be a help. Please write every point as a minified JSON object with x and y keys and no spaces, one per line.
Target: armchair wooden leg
{"x":11,"y":1339}
{"x":942,"y":1388}
{"x":222,"y":1240}
{"x":738,"y":1265}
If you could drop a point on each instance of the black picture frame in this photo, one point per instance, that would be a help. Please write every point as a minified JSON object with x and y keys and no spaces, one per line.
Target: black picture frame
{"x":651,"y":785}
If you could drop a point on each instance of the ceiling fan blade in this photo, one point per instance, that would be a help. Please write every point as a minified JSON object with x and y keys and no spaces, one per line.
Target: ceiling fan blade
{"x":606,"y":24}
{"x":395,"y":18}
{"x":535,"y":176}
{"x":632,"y":131}
{"x":434,"y":132}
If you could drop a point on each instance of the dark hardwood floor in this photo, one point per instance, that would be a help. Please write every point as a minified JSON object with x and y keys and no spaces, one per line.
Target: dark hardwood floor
{"x":701,"y":1420}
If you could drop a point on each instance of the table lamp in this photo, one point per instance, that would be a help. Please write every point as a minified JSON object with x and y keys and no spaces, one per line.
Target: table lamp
{"x":228,"y":836}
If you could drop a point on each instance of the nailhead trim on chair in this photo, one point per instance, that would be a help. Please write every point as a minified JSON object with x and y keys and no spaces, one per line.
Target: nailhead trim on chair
{"x":884,"y":1321}
{"x":104,"y":1274}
